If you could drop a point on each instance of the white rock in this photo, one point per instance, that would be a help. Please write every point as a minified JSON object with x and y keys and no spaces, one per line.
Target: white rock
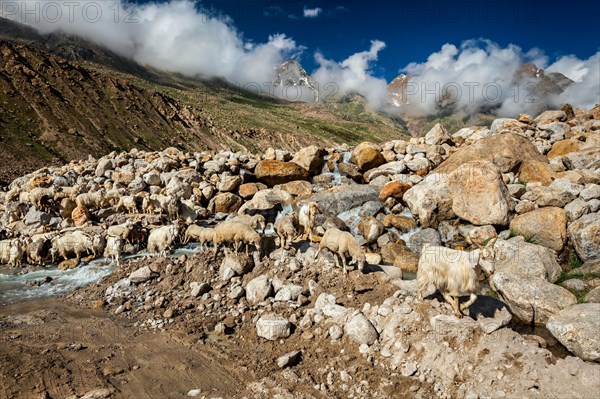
{"x":360,"y":330}
{"x":272,"y":326}
{"x":258,"y":289}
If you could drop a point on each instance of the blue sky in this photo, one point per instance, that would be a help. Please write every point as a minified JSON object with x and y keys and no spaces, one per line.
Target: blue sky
{"x":412,"y":30}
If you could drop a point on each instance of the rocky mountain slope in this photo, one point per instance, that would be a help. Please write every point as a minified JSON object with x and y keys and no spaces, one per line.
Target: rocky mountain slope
{"x":527,"y":190}
{"x":63,"y":98}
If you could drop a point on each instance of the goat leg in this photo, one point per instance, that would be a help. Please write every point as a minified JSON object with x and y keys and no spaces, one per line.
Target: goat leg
{"x":471,"y":300}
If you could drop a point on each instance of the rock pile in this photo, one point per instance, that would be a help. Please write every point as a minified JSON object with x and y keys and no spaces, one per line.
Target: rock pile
{"x":531,"y":183}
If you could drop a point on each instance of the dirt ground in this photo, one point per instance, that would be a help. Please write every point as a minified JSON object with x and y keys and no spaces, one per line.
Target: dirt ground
{"x":74,"y":345}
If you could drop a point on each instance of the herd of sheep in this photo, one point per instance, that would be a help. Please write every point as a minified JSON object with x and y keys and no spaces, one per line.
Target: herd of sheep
{"x":130,"y":202}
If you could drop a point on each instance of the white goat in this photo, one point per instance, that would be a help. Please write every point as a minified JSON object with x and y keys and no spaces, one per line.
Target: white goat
{"x":452,"y":272}
{"x":286,"y":230}
{"x":11,"y":252}
{"x":161,"y":239}
{"x":114,"y":247}
{"x":306,"y":218}
{"x":203,"y":235}
{"x":343,"y":244}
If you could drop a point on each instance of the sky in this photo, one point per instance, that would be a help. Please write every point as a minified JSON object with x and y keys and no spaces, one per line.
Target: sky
{"x":413,"y":29}
{"x":463,"y":50}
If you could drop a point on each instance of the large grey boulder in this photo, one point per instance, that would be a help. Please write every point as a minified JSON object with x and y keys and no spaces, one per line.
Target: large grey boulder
{"x":584,"y":233}
{"x":430,"y":200}
{"x":578,"y":329}
{"x":526,"y":259}
{"x":340,"y":199}
{"x":531,"y":298}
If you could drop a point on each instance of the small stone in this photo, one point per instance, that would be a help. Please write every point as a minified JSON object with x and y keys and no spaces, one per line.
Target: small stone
{"x":289,"y":359}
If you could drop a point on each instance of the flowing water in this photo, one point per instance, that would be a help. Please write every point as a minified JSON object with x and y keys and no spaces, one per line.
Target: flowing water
{"x":45,"y":282}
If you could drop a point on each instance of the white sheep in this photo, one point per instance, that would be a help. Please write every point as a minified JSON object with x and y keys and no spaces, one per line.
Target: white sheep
{"x":343,"y":243}
{"x":236,"y":233}
{"x":452,"y":272}
{"x":114,"y":247}
{"x":203,"y":235}
{"x":306,"y":219}
{"x":156,"y":203}
{"x":37,"y":194}
{"x":127,"y":203}
{"x":78,"y":243}
{"x":120,"y":230}
{"x":257,"y":222}
{"x":161,"y":239}
{"x":286,"y":230}
{"x":92,"y":200}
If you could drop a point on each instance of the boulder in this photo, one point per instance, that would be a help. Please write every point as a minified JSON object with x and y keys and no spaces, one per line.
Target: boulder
{"x":248,"y":190}
{"x":548,"y":196}
{"x":507,"y":151}
{"x":239,"y":263}
{"x":536,"y":171}
{"x":272,"y":326}
{"x":367,"y":156}
{"x":225,"y":202}
{"x":531,"y":298}
{"x":229,"y":183}
{"x":80,"y":216}
{"x":273,"y":172}
{"x":310,"y":158}
{"x":430,"y":200}
{"x":390,"y":168}
{"x":258,"y":289}
{"x":400,"y":222}
{"x":550,"y":116}
{"x":437,"y":135}
{"x":395,"y":190}
{"x":481,"y":235}
{"x":576,"y":209}
{"x":35,"y":217}
{"x":297,"y":188}
{"x":507,"y":125}
{"x":104,"y":165}
{"x":577,"y":328}
{"x":479,"y":194}
{"x":370,"y":228}
{"x":360,"y":330}
{"x":526,"y":259}
{"x":585,"y":159}
{"x":564,"y":147}
{"x":584,"y":233}
{"x":545,"y":226}
{"x":422,"y":237}
{"x":340,"y":199}
{"x":590,"y":192}
{"x":142,"y":274}
{"x":407,"y":261}
{"x":593,"y":296}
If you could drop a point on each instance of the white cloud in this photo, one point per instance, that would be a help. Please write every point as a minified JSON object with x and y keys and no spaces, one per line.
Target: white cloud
{"x":353,"y":75}
{"x":480,"y":74}
{"x":312,"y":12}
{"x":173,"y":36}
